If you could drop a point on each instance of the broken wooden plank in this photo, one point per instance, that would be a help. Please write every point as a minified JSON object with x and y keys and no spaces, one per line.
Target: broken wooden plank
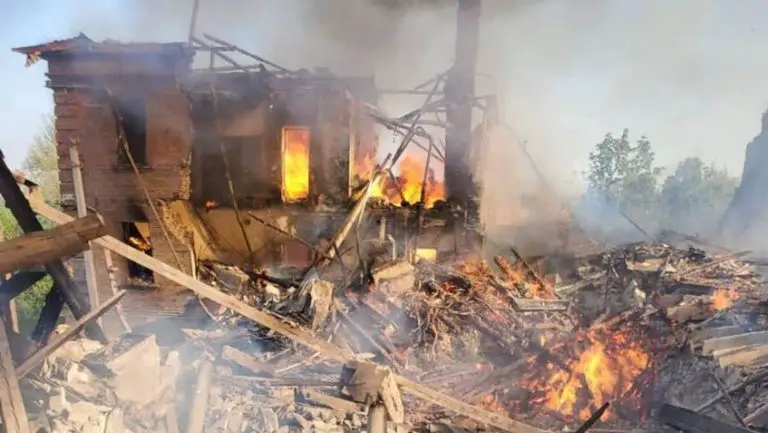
{"x":297,"y":334}
{"x":11,"y":403}
{"x":38,"y":357}
{"x":41,"y":247}
{"x":82,"y":212}
{"x":698,"y":337}
{"x":746,"y":339}
{"x":525,"y":304}
{"x":742,"y":356}
{"x":229,"y":353}
{"x":64,"y":286}
{"x":688,"y":420}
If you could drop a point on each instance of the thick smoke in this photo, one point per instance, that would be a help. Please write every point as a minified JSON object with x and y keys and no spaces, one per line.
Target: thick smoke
{"x":690,"y":78}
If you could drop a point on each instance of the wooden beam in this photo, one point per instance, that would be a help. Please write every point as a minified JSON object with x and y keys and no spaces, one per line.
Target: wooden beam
{"x":11,"y":404}
{"x":297,"y":334}
{"x":19,"y":282}
{"x":38,"y":357}
{"x":25,"y":216}
{"x":46,"y":246}
{"x":82,"y":212}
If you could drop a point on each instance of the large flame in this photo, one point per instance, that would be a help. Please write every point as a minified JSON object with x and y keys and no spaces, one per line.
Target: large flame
{"x":606,"y":371}
{"x":295,"y":163}
{"x":407,"y":185}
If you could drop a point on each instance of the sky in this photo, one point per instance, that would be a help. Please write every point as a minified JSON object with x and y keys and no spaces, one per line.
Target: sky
{"x":692,"y":76}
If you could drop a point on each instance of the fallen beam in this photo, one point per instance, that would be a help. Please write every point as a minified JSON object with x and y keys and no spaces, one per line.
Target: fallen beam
{"x":38,"y":248}
{"x":297,"y":334}
{"x":38,"y":357}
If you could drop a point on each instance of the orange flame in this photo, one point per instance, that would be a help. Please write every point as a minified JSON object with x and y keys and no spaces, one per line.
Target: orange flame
{"x":295,"y":163}
{"x":407,"y":185}
{"x":605,"y":371}
{"x":723,"y":298}
{"x":139,"y":243}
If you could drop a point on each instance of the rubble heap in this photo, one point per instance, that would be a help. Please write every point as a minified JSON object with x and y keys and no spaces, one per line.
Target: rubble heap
{"x":648,"y":329}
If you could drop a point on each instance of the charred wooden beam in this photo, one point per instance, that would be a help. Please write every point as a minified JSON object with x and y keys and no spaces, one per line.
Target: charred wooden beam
{"x":46,"y":246}
{"x":19,"y":282}
{"x":237,"y":49}
{"x":22,"y":211}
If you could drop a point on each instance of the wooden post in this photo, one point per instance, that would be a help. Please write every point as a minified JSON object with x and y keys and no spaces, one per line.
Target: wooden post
{"x":82,"y":211}
{"x":11,"y":404}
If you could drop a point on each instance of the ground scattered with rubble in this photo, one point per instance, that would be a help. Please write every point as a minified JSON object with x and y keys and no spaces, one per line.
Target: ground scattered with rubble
{"x":650,"y":329}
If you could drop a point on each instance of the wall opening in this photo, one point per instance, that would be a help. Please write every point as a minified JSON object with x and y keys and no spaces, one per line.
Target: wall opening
{"x":136,"y":234}
{"x":133,"y":118}
{"x":295,"y":162}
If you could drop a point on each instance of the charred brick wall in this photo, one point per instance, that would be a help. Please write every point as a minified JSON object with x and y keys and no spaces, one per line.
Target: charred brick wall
{"x":85,"y":91}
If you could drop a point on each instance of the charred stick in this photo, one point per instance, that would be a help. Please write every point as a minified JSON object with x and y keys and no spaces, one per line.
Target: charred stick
{"x":237,"y":49}
{"x":529,"y":269}
{"x":637,"y":226}
{"x":593,"y":419}
{"x":221,"y":55}
{"x":286,"y":233}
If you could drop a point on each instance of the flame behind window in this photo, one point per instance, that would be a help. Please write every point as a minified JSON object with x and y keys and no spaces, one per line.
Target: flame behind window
{"x":295,"y":163}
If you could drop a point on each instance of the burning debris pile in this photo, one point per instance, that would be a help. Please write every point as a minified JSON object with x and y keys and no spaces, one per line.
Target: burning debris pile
{"x":630,"y":336}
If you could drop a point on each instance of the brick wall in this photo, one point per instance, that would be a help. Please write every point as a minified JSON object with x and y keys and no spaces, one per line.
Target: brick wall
{"x":84,"y":115}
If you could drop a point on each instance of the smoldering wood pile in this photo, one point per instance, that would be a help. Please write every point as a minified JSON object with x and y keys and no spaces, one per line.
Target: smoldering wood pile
{"x":664,"y":335}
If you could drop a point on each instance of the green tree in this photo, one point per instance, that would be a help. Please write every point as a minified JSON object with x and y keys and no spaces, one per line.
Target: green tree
{"x":41,"y":162}
{"x":624,"y":175}
{"x":695,"y":195}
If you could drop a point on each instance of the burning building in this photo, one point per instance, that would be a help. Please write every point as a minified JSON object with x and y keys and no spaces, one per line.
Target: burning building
{"x":248,"y":165}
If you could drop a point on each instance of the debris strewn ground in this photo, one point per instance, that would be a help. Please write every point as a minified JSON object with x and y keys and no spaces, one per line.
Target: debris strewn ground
{"x":648,"y":328}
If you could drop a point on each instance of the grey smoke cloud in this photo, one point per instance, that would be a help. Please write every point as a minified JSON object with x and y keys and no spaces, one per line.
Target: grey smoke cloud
{"x":690,"y":75}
